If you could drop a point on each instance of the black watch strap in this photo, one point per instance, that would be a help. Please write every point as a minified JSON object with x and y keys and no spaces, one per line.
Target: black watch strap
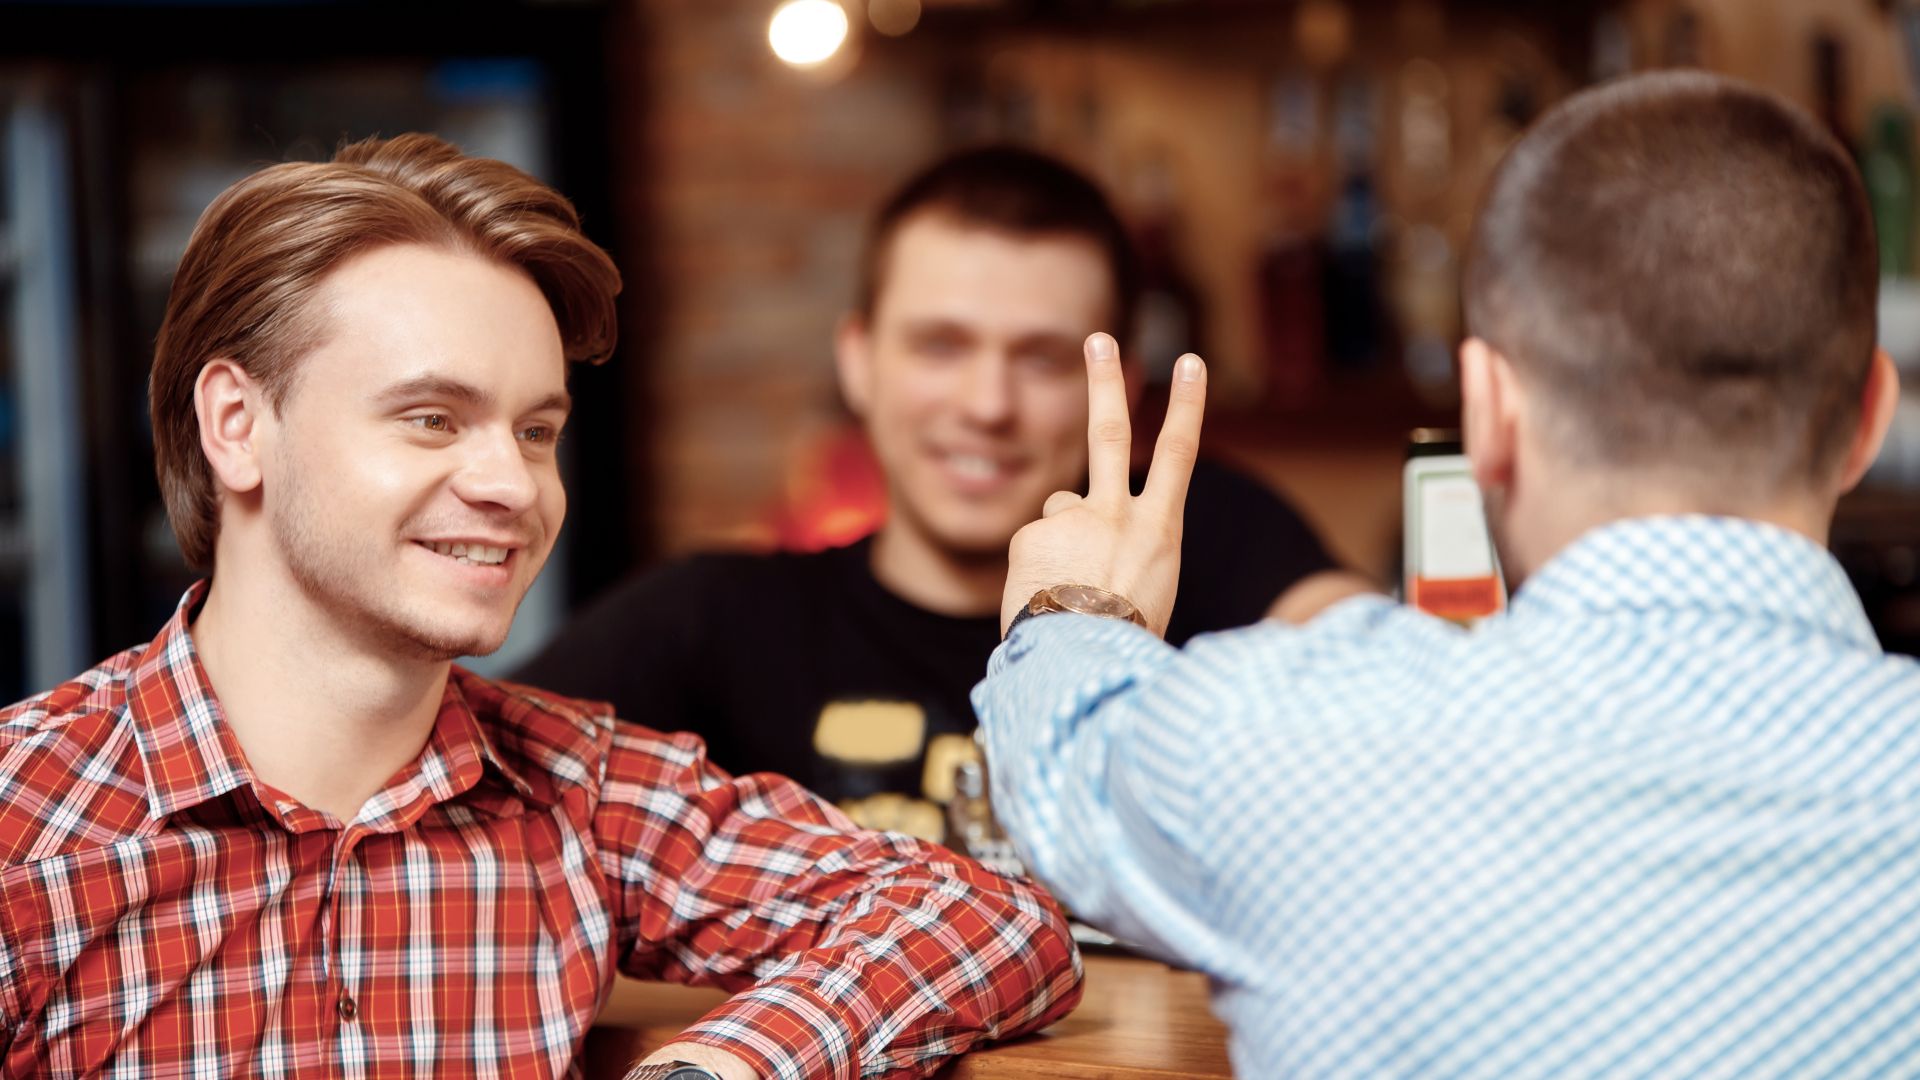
{"x":669,"y":1070}
{"x":1026,"y":612}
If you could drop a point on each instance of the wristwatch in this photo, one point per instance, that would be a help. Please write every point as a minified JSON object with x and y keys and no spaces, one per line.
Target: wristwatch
{"x":1081,"y":599}
{"x":669,"y":1070}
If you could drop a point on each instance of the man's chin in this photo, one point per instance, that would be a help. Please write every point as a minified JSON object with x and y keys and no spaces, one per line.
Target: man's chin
{"x":441,"y":644}
{"x":975,"y":545}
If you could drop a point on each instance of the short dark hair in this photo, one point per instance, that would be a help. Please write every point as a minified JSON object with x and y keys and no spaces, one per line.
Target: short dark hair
{"x":1685,"y":265}
{"x":1010,"y":189}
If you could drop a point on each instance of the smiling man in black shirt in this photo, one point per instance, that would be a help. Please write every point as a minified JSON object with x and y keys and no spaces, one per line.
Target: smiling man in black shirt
{"x":848,"y":670}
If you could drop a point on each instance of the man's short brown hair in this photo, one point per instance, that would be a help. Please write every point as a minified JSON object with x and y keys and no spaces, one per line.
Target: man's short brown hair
{"x":1013,"y":190}
{"x":245,"y":289}
{"x":1685,"y":266}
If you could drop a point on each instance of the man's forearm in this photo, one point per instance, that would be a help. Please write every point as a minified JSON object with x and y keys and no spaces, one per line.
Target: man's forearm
{"x":916,"y":968}
{"x":721,"y":1063}
{"x":850,"y":951}
{"x":1098,"y":774}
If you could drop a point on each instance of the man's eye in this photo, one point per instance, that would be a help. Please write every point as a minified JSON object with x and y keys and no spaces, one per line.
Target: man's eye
{"x":432,"y":422}
{"x":1050,"y":363}
{"x":539,"y":435}
{"x":937,"y":344}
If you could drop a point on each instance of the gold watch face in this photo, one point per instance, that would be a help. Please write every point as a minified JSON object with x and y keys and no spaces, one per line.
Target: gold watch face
{"x":1088,"y":600}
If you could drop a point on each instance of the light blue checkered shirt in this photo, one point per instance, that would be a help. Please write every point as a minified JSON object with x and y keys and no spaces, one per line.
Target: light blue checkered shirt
{"x":1662,"y":819}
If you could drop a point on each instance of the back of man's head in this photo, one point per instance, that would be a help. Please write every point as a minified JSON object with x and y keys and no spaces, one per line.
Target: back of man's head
{"x":247,"y":287}
{"x":1683,"y":267}
{"x":1012,"y":190}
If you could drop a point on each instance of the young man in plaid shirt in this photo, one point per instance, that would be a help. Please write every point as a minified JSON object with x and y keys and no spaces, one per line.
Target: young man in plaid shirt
{"x":289,"y":837}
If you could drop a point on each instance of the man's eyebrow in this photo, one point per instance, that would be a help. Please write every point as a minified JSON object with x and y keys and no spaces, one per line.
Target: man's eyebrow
{"x":435,"y":386}
{"x":923,"y":323}
{"x":446,"y":389}
{"x":1046,"y":339}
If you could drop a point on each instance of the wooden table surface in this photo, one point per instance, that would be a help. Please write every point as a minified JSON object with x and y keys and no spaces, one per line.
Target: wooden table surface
{"x":1138,"y":1020}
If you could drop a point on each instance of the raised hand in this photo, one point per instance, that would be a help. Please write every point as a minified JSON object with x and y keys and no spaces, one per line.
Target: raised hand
{"x":1109,"y":538}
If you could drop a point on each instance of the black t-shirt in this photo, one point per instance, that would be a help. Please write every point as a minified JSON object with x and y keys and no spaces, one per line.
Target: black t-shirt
{"x":805,"y":665}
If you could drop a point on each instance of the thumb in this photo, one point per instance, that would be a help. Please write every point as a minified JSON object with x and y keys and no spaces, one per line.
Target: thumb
{"x":1058,"y":501}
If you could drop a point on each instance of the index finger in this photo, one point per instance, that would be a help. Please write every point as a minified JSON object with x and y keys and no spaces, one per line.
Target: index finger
{"x":1179,"y":443}
{"x":1109,"y":429}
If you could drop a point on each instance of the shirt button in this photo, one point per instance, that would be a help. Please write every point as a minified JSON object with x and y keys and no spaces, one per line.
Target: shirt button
{"x":346,"y":1008}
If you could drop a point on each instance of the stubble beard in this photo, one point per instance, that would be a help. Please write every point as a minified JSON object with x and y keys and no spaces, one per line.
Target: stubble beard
{"x":345,"y":586}
{"x":956,"y":550}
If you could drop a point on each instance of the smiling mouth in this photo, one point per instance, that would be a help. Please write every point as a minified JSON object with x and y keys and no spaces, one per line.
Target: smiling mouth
{"x":978,"y":468}
{"x":468,"y":554}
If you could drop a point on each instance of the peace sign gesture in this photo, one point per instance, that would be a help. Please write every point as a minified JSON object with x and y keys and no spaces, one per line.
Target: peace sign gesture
{"x":1108,"y":538}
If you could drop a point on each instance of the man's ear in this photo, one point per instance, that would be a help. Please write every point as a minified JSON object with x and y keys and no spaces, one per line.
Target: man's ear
{"x":231,"y":407}
{"x":853,"y":361}
{"x":1490,"y":408}
{"x":1877,"y":401}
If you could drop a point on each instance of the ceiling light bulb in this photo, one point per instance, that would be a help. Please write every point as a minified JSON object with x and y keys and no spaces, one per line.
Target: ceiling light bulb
{"x":806,"y":32}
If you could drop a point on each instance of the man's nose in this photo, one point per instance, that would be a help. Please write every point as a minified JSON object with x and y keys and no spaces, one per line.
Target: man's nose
{"x":497,"y":472}
{"x":989,"y":390}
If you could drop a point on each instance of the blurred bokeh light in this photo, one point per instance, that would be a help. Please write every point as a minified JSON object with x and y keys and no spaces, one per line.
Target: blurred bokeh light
{"x":807,"y":32}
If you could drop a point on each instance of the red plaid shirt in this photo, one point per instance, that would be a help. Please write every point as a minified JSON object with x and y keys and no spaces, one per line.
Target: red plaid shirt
{"x":164,"y":913}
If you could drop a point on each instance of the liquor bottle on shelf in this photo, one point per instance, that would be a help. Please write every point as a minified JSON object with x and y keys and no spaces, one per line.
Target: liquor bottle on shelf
{"x":1351,"y":282}
{"x":1830,"y":85}
{"x":1424,"y":273}
{"x":1427,"y":295}
{"x":1170,"y":319}
{"x":1292,"y":259}
{"x":1886,"y":164}
{"x":1612,"y":54}
{"x":1292,"y":316}
{"x":1682,"y":38}
{"x":971,"y":827}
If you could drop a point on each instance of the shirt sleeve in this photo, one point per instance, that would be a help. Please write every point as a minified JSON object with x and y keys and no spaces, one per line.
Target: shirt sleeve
{"x":1102,"y":749}
{"x":11,"y":978}
{"x":855,"y":953}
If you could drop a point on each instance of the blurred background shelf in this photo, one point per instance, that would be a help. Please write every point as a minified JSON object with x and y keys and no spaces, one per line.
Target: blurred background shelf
{"x":1300,"y":174}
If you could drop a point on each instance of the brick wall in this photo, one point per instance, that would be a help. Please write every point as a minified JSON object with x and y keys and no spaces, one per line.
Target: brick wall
{"x":754,"y":182}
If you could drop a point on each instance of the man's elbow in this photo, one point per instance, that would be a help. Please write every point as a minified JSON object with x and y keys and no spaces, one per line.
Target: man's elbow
{"x":1315,"y":593}
{"x":1045,"y":953}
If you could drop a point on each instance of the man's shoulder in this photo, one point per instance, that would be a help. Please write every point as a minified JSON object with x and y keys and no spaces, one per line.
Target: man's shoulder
{"x":1364,"y":657}
{"x":71,"y":747}
{"x":541,"y":733}
{"x":552,"y":739}
{"x":75,"y":709}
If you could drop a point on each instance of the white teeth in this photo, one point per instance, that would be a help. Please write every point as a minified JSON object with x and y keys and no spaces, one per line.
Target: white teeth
{"x":470,"y":554}
{"x":974,"y":466}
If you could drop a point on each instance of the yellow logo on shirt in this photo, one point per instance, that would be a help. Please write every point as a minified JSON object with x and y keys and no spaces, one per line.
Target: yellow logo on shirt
{"x":870,"y":732}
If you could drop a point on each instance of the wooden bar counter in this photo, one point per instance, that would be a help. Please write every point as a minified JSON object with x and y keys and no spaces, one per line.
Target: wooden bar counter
{"x":1138,"y":1020}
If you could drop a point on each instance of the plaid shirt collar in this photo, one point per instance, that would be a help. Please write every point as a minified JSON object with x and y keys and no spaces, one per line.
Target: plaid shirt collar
{"x":191,"y":756}
{"x":1705,"y":563}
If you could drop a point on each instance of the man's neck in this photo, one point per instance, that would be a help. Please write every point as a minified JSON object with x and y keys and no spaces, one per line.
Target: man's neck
{"x":909,"y":565}
{"x":1539,"y":532}
{"x":323,"y":717}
